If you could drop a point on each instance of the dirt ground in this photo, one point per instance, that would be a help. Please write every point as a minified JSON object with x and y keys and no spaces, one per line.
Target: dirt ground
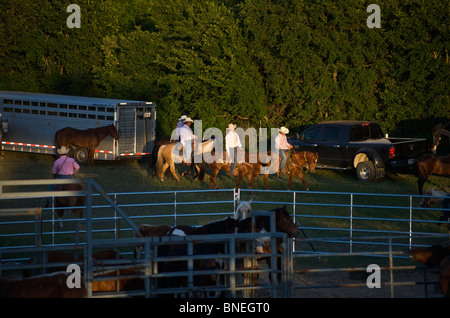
{"x":412,"y":280}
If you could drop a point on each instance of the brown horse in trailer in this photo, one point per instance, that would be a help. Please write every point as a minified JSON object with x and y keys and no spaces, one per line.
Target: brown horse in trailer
{"x":88,"y":139}
{"x":428,"y":164}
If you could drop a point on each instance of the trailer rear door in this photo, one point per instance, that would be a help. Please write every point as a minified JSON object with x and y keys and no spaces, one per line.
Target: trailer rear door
{"x":136,"y":130}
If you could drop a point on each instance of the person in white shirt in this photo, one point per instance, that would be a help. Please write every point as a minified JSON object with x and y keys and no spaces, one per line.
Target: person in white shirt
{"x":283,"y":147}
{"x":179,"y":125}
{"x":187,"y":137}
{"x":232,"y":144}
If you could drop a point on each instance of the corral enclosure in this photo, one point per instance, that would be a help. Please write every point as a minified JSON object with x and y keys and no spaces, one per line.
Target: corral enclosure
{"x":341,"y":233}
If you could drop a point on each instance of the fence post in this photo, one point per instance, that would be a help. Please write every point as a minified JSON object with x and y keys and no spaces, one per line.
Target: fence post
{"x":116,"y":220}
{"x":391,"y":264}
{"x":351,"y":223}
{"x":410,"y":221}
{"x":53,"y":220}
{"x":175,"y":208}
{"x":293,"y":211}
{"x":88,"y":257}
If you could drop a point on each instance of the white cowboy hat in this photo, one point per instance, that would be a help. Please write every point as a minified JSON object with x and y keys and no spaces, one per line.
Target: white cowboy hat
{"x":183,"y":117}
{"x":231,"y":126}
{"x":284,"y":130}
{"x":63,"y":150}
{"x":188,"y":120}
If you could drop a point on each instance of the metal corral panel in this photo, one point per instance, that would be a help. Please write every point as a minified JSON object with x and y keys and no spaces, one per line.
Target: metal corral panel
{"x":35,"y":118}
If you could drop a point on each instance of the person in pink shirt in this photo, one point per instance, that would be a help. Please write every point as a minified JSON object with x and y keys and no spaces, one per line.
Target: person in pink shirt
{"x":283,"y":147}
{"x":64,"y":167}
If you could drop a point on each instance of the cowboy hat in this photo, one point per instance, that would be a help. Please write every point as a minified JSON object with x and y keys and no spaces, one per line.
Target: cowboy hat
{"x":188,"y":120}
{"x":231,"y":126}
{"x":63,"y":150}
{"x":183,"y":117}
{"x":284,"y":130}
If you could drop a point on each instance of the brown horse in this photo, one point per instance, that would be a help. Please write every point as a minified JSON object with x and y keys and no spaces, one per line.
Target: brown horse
{"x":89,"y":138}
{"x":52,"y":285}
{"x":283,"y":223}
{"x":300,"y":160}
{"x":428,"y":164}
{"x":244,"y":169}
{"x":168,"y":156}
{"x":73,"y":203}
{"x":432,"y":256}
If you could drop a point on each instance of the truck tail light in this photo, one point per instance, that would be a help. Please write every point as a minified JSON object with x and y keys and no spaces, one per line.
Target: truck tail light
{"x":391,"y":152}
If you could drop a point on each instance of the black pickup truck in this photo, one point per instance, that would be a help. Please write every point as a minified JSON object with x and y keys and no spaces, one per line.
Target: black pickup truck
{"x":358,"y":145}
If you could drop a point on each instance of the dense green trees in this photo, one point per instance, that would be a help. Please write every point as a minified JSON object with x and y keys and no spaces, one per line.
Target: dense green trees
{"x":254,"y":62}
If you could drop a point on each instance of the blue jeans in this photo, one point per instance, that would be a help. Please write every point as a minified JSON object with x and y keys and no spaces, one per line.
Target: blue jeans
{"x":234,"y":155}
{"x":283,"y":155}
{"x":60,"y":176}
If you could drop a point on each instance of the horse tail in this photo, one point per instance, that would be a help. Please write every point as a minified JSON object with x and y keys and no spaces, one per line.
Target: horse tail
{"x":57,"y":141}
{"x":155,"y":157}
{"x":159,"y":162}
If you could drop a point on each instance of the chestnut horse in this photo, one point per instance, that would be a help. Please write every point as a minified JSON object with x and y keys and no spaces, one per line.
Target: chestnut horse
{"x":300,"y":160}
{"x":167,"y":157}
{"x":428,"y":164}
{"x":89,"y":138}
{"x":244,"y":169}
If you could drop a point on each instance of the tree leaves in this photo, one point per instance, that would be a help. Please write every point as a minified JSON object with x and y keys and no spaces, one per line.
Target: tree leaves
{"x":252,"y":62}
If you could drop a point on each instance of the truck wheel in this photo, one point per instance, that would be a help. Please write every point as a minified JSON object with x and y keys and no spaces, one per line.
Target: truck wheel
{"x":81,"y":156}
{"x":365,"y":171}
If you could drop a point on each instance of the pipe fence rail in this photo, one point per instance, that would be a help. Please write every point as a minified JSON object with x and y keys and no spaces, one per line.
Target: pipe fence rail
{"x":341,"y":224}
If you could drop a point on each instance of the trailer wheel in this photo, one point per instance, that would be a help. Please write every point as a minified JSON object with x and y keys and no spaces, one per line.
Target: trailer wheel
{"x":81,"y":156}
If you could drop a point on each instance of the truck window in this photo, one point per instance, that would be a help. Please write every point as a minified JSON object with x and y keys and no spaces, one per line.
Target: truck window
{"x":376,"y":132}
{"x":330,"y":134}
{"x":359,"y":133}
{"x":365,"y":132}
{"x":311,"y":135}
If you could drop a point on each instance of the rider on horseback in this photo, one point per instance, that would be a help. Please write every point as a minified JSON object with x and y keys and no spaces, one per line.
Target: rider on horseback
{"x":187,"y":137}
{"x":232,"y":144}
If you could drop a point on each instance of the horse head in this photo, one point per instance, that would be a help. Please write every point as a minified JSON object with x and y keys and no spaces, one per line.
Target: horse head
{"x":284,"y":222}
{"x":113,"y":131}
{"x":243,"y":210}
{"x":311,"y":161}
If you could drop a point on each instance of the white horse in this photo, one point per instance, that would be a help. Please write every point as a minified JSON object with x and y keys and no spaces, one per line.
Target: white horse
{"x":243,"y":210}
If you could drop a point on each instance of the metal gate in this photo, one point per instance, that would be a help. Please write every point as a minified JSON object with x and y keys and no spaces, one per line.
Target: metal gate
{"x":137,"y":130}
